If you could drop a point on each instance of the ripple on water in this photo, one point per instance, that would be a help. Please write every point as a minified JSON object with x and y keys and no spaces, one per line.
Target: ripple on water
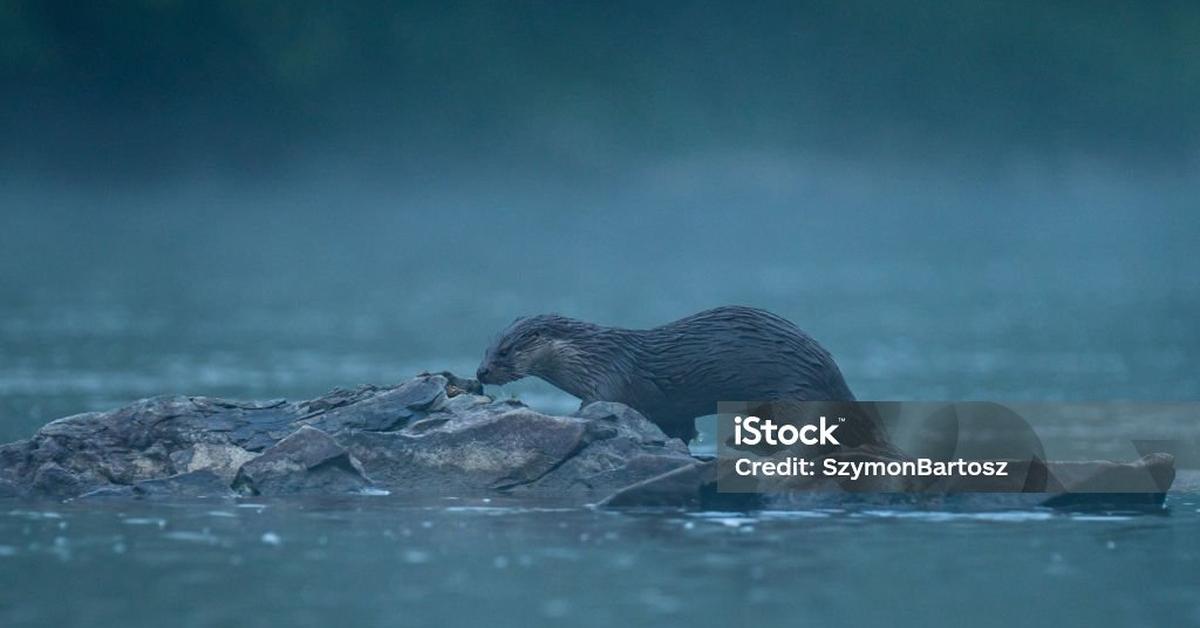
{"x":37,"y":515}
{"x":145,"y":521}
{"x":502,"y":510}
{"x":1101,"y":517}
{"x":943,"y":516}
{"x":416,"y":556}
{"x":726,"y":519}
{"x":189,"y":536}
{"x":796,"y":514}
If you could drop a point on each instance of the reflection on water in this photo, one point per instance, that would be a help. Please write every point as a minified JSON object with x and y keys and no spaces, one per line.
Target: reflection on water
{"x":385,"y":561}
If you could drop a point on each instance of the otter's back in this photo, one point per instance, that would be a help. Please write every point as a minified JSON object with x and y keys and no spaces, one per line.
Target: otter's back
{"x":737,"y":353}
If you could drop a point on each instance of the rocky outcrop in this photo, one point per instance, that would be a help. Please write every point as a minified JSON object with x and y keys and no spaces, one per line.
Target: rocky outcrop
{"x":435,"y":433}
{"x":438,"y":434}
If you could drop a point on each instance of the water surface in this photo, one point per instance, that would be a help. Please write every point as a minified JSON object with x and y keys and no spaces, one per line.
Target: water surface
{"x":961,"y":202}
{"x":387,"y":561}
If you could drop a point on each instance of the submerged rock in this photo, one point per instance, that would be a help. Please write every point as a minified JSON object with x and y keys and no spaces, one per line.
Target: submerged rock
{"x":438,"y":434}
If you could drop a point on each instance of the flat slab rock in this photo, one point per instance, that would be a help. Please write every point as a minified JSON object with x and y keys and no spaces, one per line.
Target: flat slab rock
{"x":435,"y":434}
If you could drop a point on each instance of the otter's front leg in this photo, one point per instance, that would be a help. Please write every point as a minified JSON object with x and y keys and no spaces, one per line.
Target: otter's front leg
{"x":683,"y":428}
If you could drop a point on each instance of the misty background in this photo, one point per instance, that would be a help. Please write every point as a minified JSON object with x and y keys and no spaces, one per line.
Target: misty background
{"x":980,"y":200}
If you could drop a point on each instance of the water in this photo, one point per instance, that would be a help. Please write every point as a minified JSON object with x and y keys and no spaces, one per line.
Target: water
{"x":1063,"y":288}
{"x":384,"y":561}
{"x":100,"y":309}
{"x":960,"y":202}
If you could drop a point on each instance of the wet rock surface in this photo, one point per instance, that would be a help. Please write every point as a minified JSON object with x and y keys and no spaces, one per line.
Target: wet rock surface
{"x":435,"y":433}
{"x":307,"y":461}
{"x":438,"y":434}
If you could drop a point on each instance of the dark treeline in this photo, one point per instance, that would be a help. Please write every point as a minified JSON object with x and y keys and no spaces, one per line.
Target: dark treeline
{"x":159,"y":86}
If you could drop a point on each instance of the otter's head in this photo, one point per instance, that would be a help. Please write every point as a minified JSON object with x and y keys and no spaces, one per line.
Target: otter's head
{"x":530,"y":346}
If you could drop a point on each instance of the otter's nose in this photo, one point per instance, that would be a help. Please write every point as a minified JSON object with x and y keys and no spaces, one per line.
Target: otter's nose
{"x":482,"y":373}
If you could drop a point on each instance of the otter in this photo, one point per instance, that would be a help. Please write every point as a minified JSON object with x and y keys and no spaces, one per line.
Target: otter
{"x":678,"y":371}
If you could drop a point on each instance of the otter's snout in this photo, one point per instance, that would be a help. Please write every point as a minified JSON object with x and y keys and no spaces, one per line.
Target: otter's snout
{"x":483,"y":374}
{"x":495,"y":373}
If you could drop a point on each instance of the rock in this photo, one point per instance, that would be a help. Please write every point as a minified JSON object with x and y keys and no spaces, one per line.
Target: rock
{"x":307,"y":461}
{"x":157,"y":438}
{"x":435,"y":433}
{"x":220,"y":460}
{"x":1100,"y":485}
{"x":691,"y":486}
{"x":629,"y":424}
{"x":475,"y":444}
{"x":382,"y":410}
{"x":9,"y":489}
{"x":683,"y":487}
{"x":619,"y":447}
{"x":190,"y":484}
{"x":53,"y":480}
{"x":492,"y":449}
